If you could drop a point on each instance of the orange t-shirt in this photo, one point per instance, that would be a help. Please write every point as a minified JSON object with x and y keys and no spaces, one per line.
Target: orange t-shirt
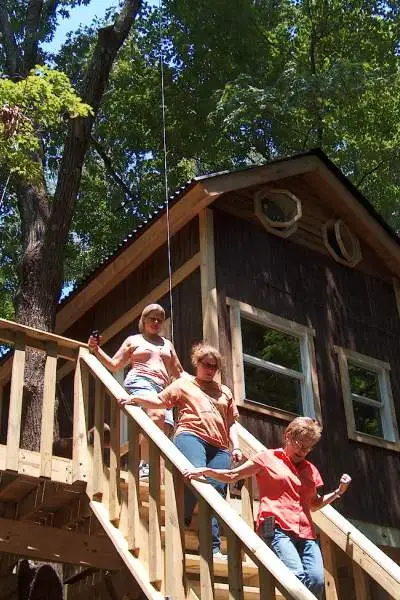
{"x":286,"y":491}
{"x":150,"y":360}
{"x":209,"y":415}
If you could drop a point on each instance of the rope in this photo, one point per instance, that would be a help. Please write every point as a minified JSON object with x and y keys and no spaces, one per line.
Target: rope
{"x":165,"y":167}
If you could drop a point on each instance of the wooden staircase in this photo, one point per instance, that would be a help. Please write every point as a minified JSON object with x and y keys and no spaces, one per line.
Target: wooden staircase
{"x":87,"y":512}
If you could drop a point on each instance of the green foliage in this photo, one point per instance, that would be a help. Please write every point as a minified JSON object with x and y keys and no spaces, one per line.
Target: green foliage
{"x":46,"y":101}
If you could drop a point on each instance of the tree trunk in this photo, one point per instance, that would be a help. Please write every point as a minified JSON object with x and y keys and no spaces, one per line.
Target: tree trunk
{"x":45,"y":225}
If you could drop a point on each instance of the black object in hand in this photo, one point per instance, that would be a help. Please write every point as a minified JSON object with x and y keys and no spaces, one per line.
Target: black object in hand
{"x":96,"y":334}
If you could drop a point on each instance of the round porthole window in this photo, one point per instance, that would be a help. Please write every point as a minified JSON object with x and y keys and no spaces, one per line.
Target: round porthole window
{"x":341,"y":243}
{"x":278,"y":210}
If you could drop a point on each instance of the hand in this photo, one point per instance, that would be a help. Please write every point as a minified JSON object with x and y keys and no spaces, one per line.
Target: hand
{"x":237,"y":455}
{"x":94,"y":343}
{"x":344,"y":483}
{"x":197,"y":473}
{"x":126,"y":401}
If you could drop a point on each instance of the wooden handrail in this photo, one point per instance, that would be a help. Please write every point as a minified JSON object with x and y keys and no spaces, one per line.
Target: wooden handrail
{"x":354,"y":543}
{"x":35,"y":338}
{"x":258,"y":551}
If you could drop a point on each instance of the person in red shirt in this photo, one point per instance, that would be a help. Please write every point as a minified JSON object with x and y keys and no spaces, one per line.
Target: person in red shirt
{"x":205,"y":429}
{"x":288,"y":485}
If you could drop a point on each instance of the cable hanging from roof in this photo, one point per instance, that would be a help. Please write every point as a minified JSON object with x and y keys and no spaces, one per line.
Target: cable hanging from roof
{"x":166,"y":188}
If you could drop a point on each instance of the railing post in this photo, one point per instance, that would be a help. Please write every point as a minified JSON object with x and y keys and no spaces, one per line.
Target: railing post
{"x":175,"y":576}
{"x":134,"y":541}
{"x":98,"y":441}
{"x":156,"y":571}
{"x":235,"y":574}
{"x":80,"y":451}
{"x":206,"y":561}
{"x":267,"y":584}
{"x":361,"y":583}
{"x":114,"y":504}
{"x":49,"y":399}
{"x":15,"y":410}
{"x":331,"y":583}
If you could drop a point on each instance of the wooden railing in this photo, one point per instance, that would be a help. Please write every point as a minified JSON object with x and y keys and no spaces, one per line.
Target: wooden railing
{"x":147,"y":545}
{"x":154,"y":553}
{"x":368,"y":561}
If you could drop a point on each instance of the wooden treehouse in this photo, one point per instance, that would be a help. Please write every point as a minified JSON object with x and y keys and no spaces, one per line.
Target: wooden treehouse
{"x":289,"y":253}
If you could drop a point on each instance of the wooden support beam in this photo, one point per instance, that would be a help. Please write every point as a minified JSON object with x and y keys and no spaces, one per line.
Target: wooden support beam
{"x":396,"y":290}
{"x":208,"y":279}
{"x":361,"y":583}
{"x":15,"y":411}
{"x":49,"y":399}
{"x":56,"y":545}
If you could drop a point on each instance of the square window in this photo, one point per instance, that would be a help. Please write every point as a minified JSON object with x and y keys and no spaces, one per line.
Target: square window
{"x":367,"y":399}
{"x":273,"y":362}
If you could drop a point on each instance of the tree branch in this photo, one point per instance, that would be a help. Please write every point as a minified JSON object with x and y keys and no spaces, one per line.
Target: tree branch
{"x":13,"y":57}
{"x":32,"y":31}
{"x":368,"y":173}
{"x":110,"y":40}
{"x":109,"y":166}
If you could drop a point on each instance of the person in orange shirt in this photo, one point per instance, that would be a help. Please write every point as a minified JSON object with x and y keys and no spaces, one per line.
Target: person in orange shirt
{"x":153,"y":365}
{"x":288,"y":485}
{"x":206,"y":429}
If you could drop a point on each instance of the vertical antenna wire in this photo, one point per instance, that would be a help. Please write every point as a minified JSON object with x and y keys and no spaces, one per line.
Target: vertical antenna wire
{"x":165,"y":166}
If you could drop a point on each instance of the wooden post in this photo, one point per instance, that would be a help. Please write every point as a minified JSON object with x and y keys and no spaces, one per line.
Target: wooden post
{"x":208,"y":280}
{"x":361,"y":583}
{"x":396,"y":289}
{"x":206,"y":561}
{"x":175,"y":577}
{"x":267,"y":584}
{"x":114,"y":489}
{"x":49,"y":398}
{"x":247,"y":502}
{"x":80,"y":453}
{"x":14,"y":415}
{"x":331,"y":581}
{"x":235,"y":574}
{"x":134,"y":541}
{"x":156,"y":571}
{"x":237,"y":354}
{"x":98,"y":441}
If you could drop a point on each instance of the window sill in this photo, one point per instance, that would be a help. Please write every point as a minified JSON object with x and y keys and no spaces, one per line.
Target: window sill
{"x":371,"y":440}
{"x":276,"y":413}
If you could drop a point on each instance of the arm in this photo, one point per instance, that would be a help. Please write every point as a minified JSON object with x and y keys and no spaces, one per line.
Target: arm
{"x":321,"y":501}
{"x":120,"y":358}
{"x":245,"y":470}
{"x":176,"y":370}
{"x":237,"y":454}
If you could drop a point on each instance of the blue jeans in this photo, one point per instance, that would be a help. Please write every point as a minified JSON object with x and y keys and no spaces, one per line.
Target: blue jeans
{"x":302,"y":557}
{"x":202,"y":454}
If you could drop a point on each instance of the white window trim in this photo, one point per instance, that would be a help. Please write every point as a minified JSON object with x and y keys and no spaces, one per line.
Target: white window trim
{"x":308,"y":378}
{"x":386,"y":405}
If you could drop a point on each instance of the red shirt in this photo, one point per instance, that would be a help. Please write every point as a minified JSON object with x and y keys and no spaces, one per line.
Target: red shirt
{"x":286,"y":491}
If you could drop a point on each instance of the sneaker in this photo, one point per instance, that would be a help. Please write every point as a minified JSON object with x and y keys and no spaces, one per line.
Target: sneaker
{"x":144,"y":471}
{"x":219,"y":555}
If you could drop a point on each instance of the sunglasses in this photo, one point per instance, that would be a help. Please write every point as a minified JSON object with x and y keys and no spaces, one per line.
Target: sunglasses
{"x":155,"y":319}
{"x":207,"y":365}
{"x":303,"y":447}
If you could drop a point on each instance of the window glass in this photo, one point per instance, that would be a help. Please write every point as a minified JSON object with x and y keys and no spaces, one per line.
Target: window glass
{"x":273,"y":389}
{"x":271,"y":345}
{"x":363,"y":382}
{"x":368,"y":419}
